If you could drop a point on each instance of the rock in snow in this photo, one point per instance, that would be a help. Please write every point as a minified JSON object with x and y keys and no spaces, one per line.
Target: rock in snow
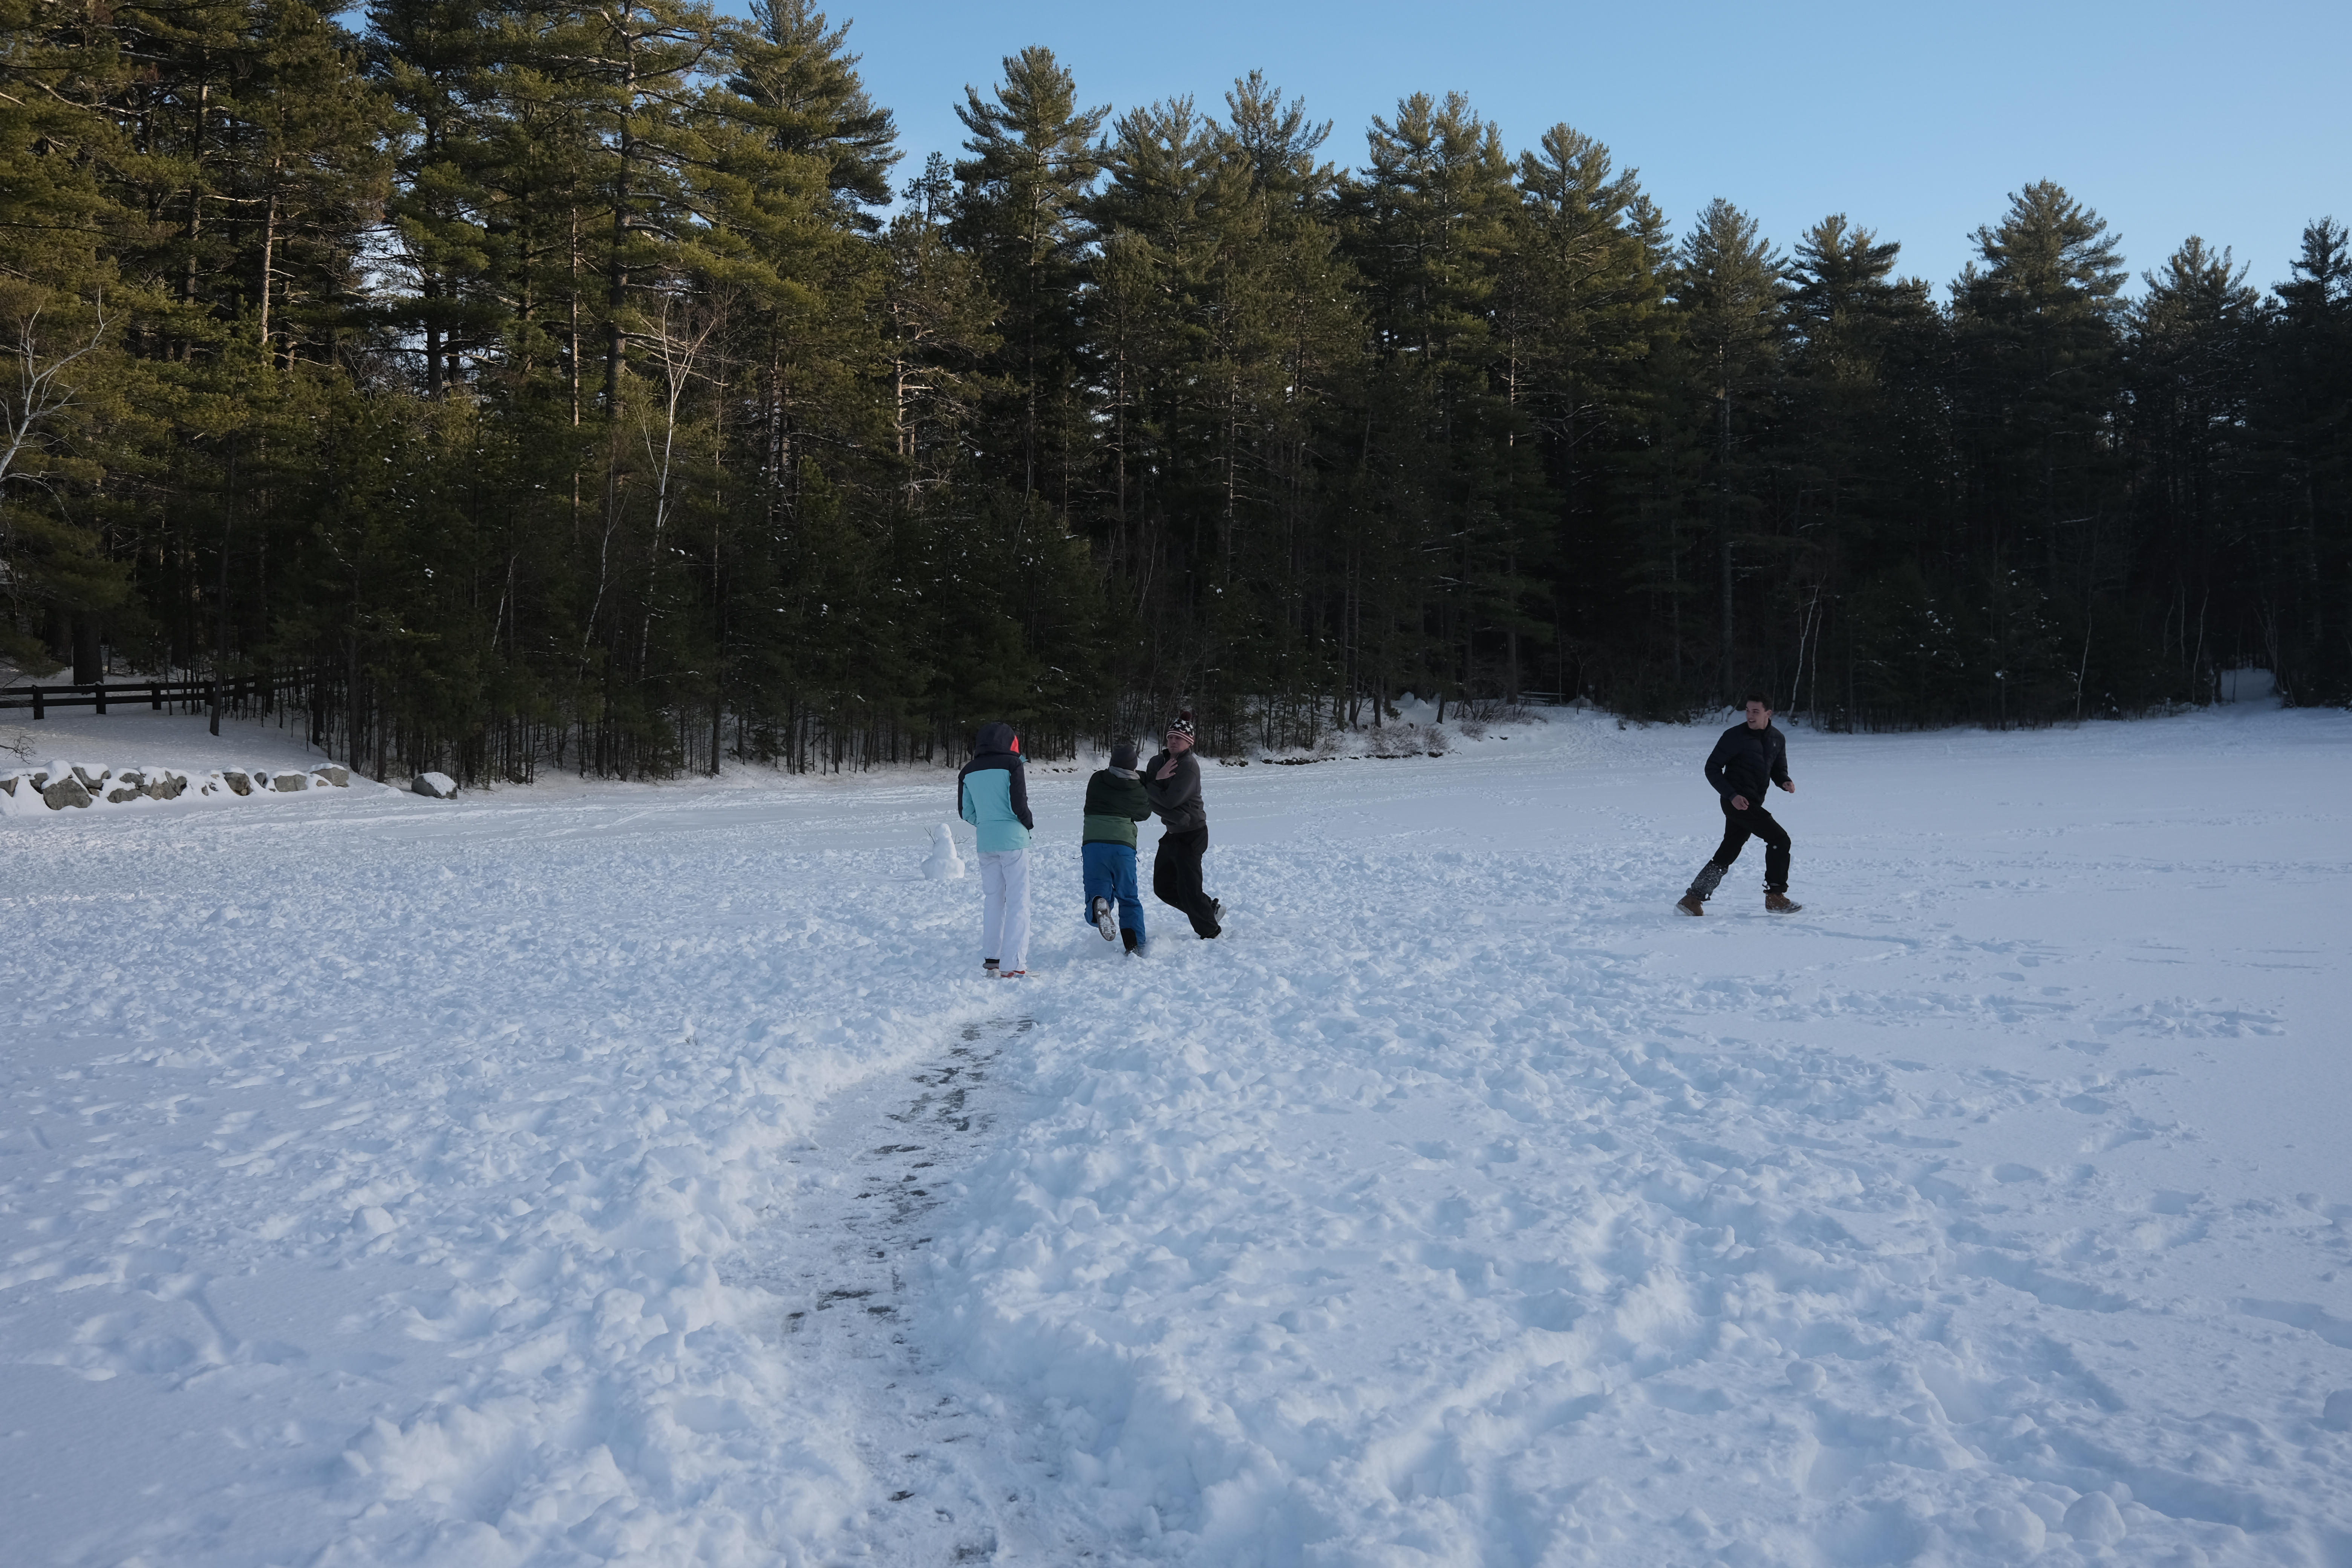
{"x":637,"y":1174}
{"x":436,"y":786}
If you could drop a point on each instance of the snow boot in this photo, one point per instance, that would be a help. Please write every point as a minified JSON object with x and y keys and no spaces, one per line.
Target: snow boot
{"x":1702,"y":887}
{"x":988,"y":970}
{"x":1107,"y":920}
{"x":1134,"y":944}
{"x":1781,"y":903}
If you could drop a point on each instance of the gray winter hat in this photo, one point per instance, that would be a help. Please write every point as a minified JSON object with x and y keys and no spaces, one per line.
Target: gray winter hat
{"x":1122,"y":755}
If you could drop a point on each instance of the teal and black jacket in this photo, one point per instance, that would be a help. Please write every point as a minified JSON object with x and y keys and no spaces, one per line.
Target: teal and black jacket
{"x":992,"y":791}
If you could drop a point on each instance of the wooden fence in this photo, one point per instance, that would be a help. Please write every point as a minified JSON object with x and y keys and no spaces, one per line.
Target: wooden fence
{"x":231,"y":694}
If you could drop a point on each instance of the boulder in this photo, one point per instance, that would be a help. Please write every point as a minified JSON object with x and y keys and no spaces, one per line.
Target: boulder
{"x":9,"y":784}
{"x":237,"y":782}
{"x":165,"y":786}
{"x":434,"y":786}
{"x":289,"y":783}
{"x":332,"y":773}
{"x":123,"y":791}
{"x":91,"y":778}
{"x":66,"y":791}
{"x":133,"y":777}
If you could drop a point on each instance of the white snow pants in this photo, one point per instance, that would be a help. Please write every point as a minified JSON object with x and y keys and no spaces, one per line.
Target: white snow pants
{"x":1004,"y":906}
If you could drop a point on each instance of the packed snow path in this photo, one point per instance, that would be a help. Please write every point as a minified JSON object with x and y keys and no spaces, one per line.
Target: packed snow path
{"x":388,"y":1181}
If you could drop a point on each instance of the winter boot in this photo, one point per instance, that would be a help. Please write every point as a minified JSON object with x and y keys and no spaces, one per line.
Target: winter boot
{"x":1702,"y":887}
{"x":1781,"y":903}
{"x":1107,"y":920}
{"x":1134,"y":944}
{"x":988,"y":970}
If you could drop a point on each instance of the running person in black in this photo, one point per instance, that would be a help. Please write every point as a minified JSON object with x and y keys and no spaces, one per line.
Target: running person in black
{"x":1750,"y":756}
{"x":1171,"y":782}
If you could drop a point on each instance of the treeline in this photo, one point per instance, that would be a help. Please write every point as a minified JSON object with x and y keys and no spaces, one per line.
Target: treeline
{"x":591,"y":387}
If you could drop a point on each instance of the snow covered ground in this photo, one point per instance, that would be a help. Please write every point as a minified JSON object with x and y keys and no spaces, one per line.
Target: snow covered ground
{"x":643,"y":1175}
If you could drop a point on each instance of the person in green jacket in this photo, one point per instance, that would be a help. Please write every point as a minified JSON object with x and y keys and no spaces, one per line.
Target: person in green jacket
{"x":1115,"y":804}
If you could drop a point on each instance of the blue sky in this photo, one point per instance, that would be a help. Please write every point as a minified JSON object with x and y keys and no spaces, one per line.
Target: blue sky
{"x":1915,"y":120}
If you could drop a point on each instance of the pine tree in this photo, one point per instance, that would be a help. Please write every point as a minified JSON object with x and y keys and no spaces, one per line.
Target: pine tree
{"x":2306,"y":420}
{"x":812,"y":103}
{"x":2189,"y":369}
{"x":1869,"y":437}
{"x":1021,"y":211}
{"x":1730,"y":288}
{"x":1429,"y":224}
{"x":1579,"y":317}
{"x":2038,"y":323}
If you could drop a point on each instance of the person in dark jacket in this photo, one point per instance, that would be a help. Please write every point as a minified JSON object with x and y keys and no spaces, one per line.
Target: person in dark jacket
{"x":1173,"y":782}
{"x":1115,"y":802}
{"x":993,"y":794}
{"x":1750,"y":756}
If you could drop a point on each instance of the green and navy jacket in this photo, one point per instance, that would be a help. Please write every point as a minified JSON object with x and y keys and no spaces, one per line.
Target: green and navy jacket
{"x":992,"y":791}
{"x":1115,"y":804}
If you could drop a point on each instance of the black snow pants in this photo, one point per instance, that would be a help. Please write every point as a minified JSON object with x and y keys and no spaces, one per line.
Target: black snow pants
{"x":1176,"y":878}
{"x":1738,"y":826}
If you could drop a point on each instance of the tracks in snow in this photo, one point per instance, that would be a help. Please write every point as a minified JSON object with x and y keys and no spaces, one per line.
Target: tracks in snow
{"x":950,"y":1484}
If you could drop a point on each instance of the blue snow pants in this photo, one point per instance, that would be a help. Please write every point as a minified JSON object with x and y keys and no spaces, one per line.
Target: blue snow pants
{"x":1110,"y":874}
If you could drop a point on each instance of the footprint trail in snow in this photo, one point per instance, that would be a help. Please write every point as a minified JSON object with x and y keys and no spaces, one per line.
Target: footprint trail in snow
{"x":846,"y":1247}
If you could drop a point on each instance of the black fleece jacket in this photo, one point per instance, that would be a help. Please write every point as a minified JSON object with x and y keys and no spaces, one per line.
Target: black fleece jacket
{"x":1177,"y":798}
{"x":1747,"y":759}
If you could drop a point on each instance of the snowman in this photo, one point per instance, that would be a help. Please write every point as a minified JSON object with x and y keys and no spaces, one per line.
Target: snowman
{"x":944,"y":864}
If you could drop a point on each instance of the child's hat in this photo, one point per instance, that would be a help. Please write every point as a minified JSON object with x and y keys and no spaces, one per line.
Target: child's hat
{"x":1123,"y":755}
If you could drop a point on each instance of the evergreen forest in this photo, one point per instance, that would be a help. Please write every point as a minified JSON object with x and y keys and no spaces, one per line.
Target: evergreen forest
{"x":599,"y":389}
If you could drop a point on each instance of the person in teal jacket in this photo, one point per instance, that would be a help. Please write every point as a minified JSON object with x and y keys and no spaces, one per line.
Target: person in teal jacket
{"x":993,"y":794}
{"x":1115,"y":804}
